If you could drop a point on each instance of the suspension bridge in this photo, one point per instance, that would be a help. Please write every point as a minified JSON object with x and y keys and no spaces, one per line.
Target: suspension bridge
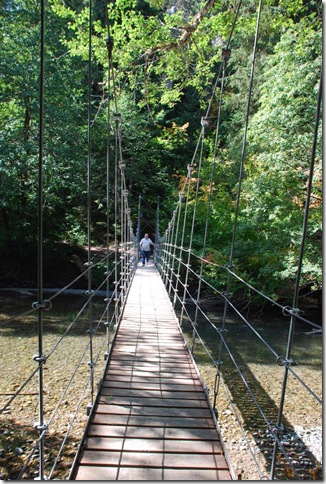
{"x":152,"y":419}
{"x":175,"y":378}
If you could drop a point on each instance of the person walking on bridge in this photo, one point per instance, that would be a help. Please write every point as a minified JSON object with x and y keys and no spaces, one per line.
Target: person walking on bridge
{"x":145,"y":247}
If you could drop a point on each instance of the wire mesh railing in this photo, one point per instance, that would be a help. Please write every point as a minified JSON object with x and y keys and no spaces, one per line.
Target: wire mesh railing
{"x":242,"y":361}
{"x":67,"y":380}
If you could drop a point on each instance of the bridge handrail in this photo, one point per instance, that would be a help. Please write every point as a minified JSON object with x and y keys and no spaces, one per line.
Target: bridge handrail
{"x":169,"y":264}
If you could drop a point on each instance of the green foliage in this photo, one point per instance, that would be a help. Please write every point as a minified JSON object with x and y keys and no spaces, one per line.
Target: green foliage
{"x":165,"y":63}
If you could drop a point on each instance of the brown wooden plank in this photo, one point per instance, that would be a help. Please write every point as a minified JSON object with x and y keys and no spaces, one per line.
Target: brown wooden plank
{"x":151,"y":432}
{"x":130,"y":377}
{"x":154,"y":459}
{"x":131,"y":372}
{"x":109,"y":409}
{"x":151,"y":402}
{"x":89,"y":473}
{"x":146,"y":385}
{"x":195,"y":475}
{"x":165,"y":394}
{"x":154,"y":445}
{"x":156,"y":421}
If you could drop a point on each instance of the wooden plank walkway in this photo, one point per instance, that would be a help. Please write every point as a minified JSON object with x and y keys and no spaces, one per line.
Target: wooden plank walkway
{"x":151,"y":420}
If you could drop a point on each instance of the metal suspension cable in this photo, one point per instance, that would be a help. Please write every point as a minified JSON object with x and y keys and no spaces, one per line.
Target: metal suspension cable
{"x":186,"y":183}
{"x":225,"y":56}
{"x":122,"y":209}
{"x":47,"y":302}
{"x":41,"y":304}
{"x":187,"y":180}
{"x":89,"y":201}
{"x":138,"y":221}
{"x":179,"y":207}
{"x":39,"y":357}
{"x":222,"y":64}
{"x":279,"y":359}
{"x":183,"y":225}
{"x":299,"y":270}
{"x":256,"y":403}
{"x":243,"y":153}
{"x":157,"y":231}
{"x":55,"y":346}
{"x":293,"y":312}
{"x":247,"y":384}
{"x":73,"y":417}
{"x":286,"y":310}
{"x":167,"y":242}
{"x":117,"y":119}
{"x":19,"y":390}
{"x":109,"y":45}
{"x":204,"y":125}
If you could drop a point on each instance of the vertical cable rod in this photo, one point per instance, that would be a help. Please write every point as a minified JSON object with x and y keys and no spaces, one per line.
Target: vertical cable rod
{"x":116,"y":248}
{"x":109,"y":45}
{"x":193,"y":216}
{"x":187,"y":182}
{"x":138,"y":226}
{"x":40,"y":358}
{"x":169,"y":260}
{"x":157,"y":232}
{"x":167,"y":244}
{"x":295,"y":309}
{"x":179,"y":208}
{"x":89,"y":208}
{"x":243,"y":155}
{"x":225,"y":55}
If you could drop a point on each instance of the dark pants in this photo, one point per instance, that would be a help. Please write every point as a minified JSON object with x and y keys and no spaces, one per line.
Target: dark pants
{"x":145,"y":255}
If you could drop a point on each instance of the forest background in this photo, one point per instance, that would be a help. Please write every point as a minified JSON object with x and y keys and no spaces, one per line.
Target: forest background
{"x":166,"y":56}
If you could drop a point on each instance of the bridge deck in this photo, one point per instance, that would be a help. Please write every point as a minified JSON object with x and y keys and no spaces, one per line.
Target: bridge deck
{"x":151,"y":420}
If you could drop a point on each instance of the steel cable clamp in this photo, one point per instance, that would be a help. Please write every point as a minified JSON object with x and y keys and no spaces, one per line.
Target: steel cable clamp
{"x":46,"y":305}
{"x":225,"y":54}
{"x":109,"y":45}
{"x":281,"y":361}
{"x":40,"y":428}
{"x":204,"y":122}
{"x":39,"y":359}
{"x":288,"y":311}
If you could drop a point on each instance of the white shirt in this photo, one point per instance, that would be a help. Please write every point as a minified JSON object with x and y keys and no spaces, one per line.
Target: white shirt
{"x":145,"y":244}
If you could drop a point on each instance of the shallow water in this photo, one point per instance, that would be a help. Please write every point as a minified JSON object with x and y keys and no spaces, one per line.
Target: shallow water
{"x":260,"y":388}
